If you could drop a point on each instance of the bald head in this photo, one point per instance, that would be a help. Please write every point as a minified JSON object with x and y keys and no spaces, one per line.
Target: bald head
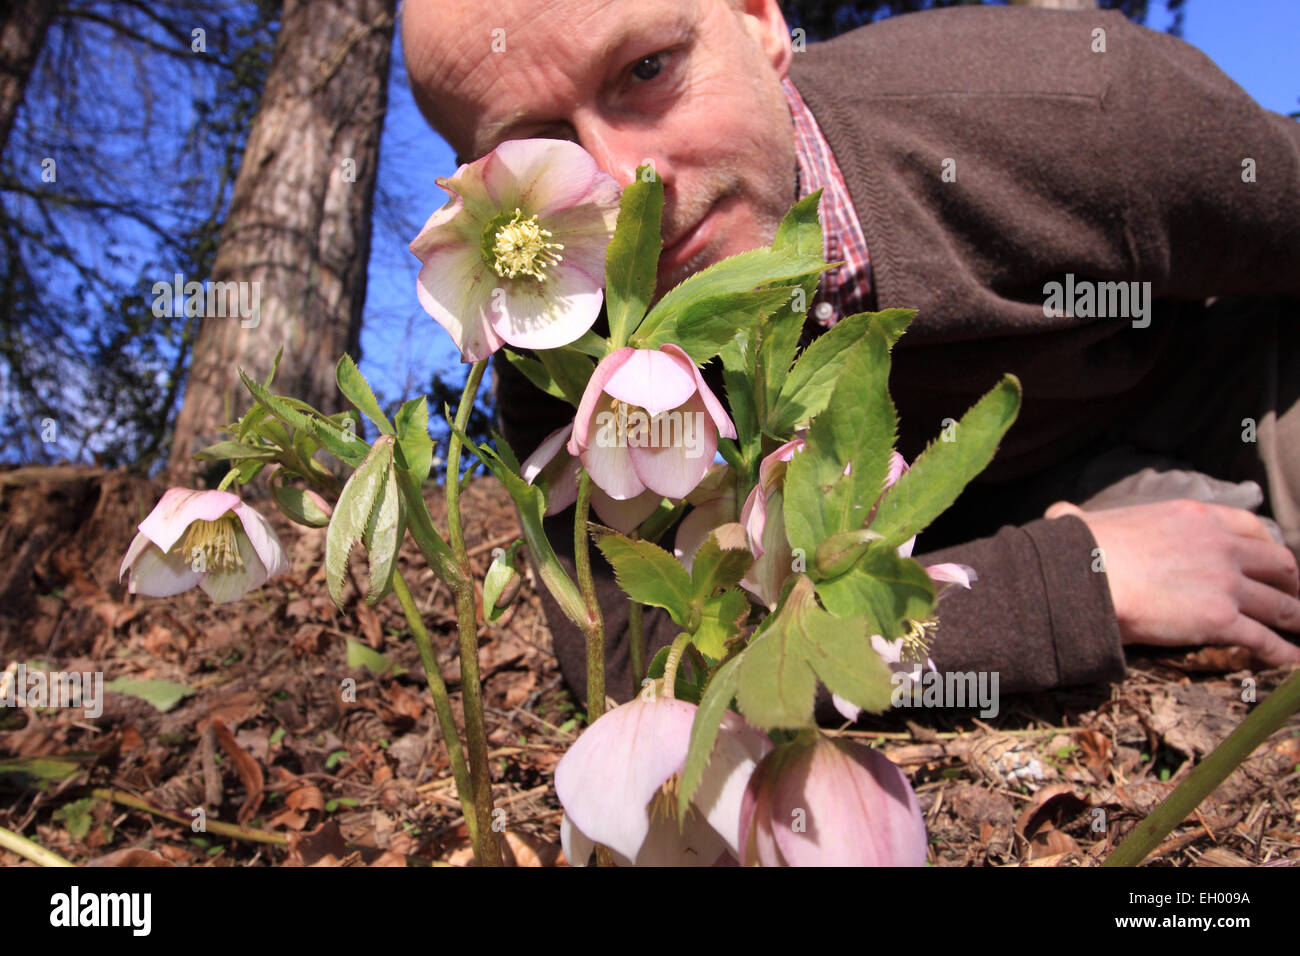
{"x":692,"y":86}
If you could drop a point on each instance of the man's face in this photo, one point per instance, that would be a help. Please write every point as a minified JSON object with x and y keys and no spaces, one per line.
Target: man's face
{"x":690,"y":85}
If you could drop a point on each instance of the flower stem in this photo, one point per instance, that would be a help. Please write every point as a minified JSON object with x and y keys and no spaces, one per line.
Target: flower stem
{"x":594,"y":626}
{"x":467,"y":631}
{"x":441,"y":706}
{"x":672,"y":661}
{"x":1254,"y":730}
{"x":17,"y":843}
{"x":636,"y":641}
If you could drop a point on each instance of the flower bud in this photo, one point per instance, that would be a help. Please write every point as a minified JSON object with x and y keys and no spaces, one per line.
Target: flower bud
{"x":501,"y":585}
{"x":841,"y":551}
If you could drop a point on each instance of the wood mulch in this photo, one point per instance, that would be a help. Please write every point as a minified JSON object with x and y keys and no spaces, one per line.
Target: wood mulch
{"x":269,"y":742}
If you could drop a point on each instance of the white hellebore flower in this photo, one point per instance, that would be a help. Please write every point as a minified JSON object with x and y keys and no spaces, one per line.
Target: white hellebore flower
{"x":517,"y":254}
{"x":208,"y":538}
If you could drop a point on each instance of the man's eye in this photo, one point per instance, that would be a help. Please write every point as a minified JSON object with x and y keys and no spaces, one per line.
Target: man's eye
{"x":648,"y":67}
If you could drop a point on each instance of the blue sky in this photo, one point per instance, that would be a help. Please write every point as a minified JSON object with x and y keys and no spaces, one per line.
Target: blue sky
{"x":1256,"y":42}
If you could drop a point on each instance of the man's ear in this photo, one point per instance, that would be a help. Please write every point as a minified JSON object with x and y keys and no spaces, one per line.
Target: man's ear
{"x":766,"y":24}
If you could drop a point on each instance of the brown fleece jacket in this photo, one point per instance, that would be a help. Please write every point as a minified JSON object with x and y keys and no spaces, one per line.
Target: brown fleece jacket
{"x":1123,"y":165}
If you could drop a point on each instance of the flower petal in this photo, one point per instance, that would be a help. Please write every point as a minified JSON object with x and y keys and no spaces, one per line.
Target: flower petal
{"x":543,"y":176}
{"x":550,"y":313}
{"x":652,"y":380}
{"x":680,"y":450}
{"x":607,"y":778}
{"x":155,"y":574}
{"x":262,"y":536}
{"x":609,"y":465}
{"x":737,"y":751}
{"x":593,"y":396}
{"x":225,"y":586}
{"x":455,"y":286}
{"x":711,"y":403}
{"x":627,"y":514}
{"x":849,"y":711}
{"x":554,"y":469}
{"x":577,"y":846}
{"x":179,"y":508}
{"x":696,"y":527}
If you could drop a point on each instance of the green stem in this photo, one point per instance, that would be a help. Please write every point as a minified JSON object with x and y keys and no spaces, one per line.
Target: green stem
{"x":636,"y":642}
{"x":593,"y":627}
{"x":442,"y":706}
{"x":672,"y":661}
{"x":25,"y":848}
{"x":467,"y":631}
{"x":1254,"y":730}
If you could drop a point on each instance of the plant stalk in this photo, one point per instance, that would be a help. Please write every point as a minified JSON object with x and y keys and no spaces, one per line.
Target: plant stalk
{"x":1197,"y":785}
{"x":593,"y":627}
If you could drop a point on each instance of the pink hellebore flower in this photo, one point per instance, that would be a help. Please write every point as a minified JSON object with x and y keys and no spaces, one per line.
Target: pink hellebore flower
{"x":647,"y":420}
{"x":617,"y":785}
{"x":558,"y":474}
{"x":517,"y":254}
{"x":819,"y":801}
{"x":208,"y":538}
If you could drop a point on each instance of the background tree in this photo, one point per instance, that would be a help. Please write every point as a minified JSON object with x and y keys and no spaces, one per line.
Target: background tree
{"x":299,"y":220}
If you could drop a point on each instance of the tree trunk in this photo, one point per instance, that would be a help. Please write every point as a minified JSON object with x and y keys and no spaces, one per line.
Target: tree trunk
{"x":298,"y":229}
{"x":21,"y":34}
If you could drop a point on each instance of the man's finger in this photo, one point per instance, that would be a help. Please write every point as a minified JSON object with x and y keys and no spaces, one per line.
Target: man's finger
{"x":1242,"y":522}
{"x":1269,"y":606}
{"x":1060,"y":508}
{"x":1270,"y":564}
{"x":1263,"y":643}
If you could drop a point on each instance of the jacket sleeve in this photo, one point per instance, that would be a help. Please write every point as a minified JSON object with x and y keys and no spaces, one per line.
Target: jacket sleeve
{"x":1038,"y":614}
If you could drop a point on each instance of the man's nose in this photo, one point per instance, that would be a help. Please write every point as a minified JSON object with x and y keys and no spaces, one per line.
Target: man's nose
{"x":619,"y":151}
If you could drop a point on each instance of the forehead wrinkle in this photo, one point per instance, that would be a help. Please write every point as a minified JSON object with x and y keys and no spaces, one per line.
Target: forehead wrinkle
{"x":639,"y":20}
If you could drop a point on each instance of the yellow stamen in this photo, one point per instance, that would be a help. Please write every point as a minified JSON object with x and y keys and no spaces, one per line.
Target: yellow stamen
{"x":916,"y":642}
{"x":522,"y":247}
{"x":215,"y":541}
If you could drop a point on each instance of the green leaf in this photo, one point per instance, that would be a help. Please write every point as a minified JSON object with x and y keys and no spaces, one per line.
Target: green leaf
{"x":76,"y":817}
{"x":299,"y":506}
{"x":162,"y":694}
{"x":37,"y":772}
{"x":715,"y":568}
{"x":940,"y":472}
{"x":351,"y":520}
{"x":235,"y":451}
{"x":705,"y":325}
{"x":882,"y":587}
{"x":801,"y":229}
{"x":798,"y":646}
{"x":856,"y":428}
{"x":704,"y":729}
{"x":631,"y":262}
{"x":413,"y":437}
{"x":894,"y":322}
{"x":357,"y":390}
{"x":383,"y":537}
{"x":569,"y":369}
{"x":807,"y":390}
{"x":536,"y":373}
{"x":649,"y":574}
{"x":737,"y":369}
{"x":360,"y":655}
{"x":347,"y":447}
{"x":739,"y":273}
{"x":721,"y":620}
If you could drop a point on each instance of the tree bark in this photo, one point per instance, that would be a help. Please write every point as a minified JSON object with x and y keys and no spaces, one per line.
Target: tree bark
{"x":21,"y":34}
{"x":299,"y":221}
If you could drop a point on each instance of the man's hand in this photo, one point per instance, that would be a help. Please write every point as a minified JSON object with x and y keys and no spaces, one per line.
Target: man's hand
{"x":1187,"y":572}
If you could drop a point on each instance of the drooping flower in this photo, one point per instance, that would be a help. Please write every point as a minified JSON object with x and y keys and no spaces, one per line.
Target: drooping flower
{"x":647,"y":420}
{"x":517,"y":254}
{"x":618,"y":786}
{"x":910,"y":654}
{"x":822,"y":801}
{"x":205,"y":538}
{"x":552,"y":467}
